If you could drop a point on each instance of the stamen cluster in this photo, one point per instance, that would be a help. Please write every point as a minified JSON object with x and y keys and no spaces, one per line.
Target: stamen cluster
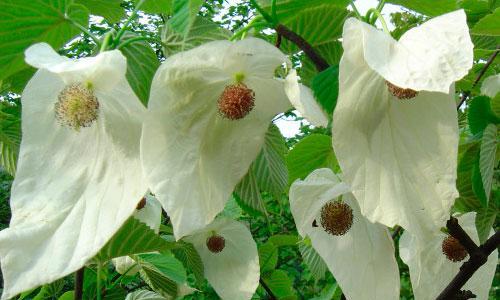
{"x":236,"y":101}
{"x":76,"y":106}
{"x":336,"y":217}
{"x":399,"y":92}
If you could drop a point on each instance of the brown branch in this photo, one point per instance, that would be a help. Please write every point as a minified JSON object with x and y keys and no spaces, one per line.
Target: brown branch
{"x":79,"y":284}
{"x":479,"y":76}
{"x":268,"y":290}
{"x":318,"y":61}
{"x":478,"y":257}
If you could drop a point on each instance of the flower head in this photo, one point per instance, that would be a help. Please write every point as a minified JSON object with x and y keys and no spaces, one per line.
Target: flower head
{"x":395,"y":131}
{"x":230,"y":258}
{"x":431,"y":270}
{"x":79,"y":176}
{"x":363,"y":254}
{"x":209,"y":110}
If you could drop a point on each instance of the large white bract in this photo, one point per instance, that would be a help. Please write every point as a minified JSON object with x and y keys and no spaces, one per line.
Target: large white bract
{"x":362,"y":260}
{"x":491,"y":86}
{"x":75,"y":186}
{"x":431,"y":271}
{"x":399,"y":155}
{"x":193,"y":156}
{"x":234,"y":272}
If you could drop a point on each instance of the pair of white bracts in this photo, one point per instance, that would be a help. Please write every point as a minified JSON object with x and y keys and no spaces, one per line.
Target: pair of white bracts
{"x":74,"y":189}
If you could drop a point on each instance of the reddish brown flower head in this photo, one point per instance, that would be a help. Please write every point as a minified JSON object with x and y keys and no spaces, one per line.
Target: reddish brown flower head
{"x":400,"y":93}
{"x":236,"y":101}
{"x":453,"y":250}
{"x":141,"y":203}
{"x":336,"y":218}
{"x":216,"y":243}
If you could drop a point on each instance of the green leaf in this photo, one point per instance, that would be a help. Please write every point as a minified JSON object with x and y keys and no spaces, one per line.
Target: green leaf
{"x":280,"y":284}
{"x":142,"y":64}
{"x":477,"y":184}
{"x":485,"y":42}
{"x":268,"y":257}
{"x":111,"y":10}
{"x":163,"y":273}
{"x":144,"y":295}
{"x":25,"y":22}
{"x":312,"y":259}
{"x":467,"y":200}
{"x":281,"y":240}
{"x":480,"y":114}
{"x":69,"y":295}
{"x":485,"y":219}
{"x":16,"y":83}
{"x":495,"y":105}
{"x":156,"y":6}
{"x":488,"y":25}
{"x":487,"y":157}
{"x":311,"y":153}
{"x":431,"y":8}
{"x":185,"y":12}
{"x":268,"y":173}
{"x":331,"y":52}
{"x":132,"y":238}
{"x":201,"y":31}
{"x":10,"y":137}
{"x":309,"y":24}
{"x":187,"y":254}
{"x":289,"y":9}
{"x":330,"y":292}
{"x":326,"y":88}
{"x":166,"y":263}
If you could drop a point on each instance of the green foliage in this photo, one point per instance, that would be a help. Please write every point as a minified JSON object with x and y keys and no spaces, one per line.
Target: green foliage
{"x":311,"y":153}
{"x":187,"y":254}
{"x":109,"y":9}
{"x":162,"y":272}
{"x":141,"y":67}
{"x":487,"y":157}
{"x":45,"y":21}
{"x":325,"y":86}
{"x":488,"y":25}
{"x":280,"y":284}
{"x":428,"y":7}
{"x":312,"y":259}
{"x":480,"y":114}
{"x":133,"y":237}
{"x":10,"y":136}
{"x":156,"y":6}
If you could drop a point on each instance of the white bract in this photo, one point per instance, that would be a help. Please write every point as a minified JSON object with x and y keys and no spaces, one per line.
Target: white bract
{"x":193,"y":153}
{"x":491,"y":86}
{"x":150,"y":214}
{"x":233,"y":272}
{"x":79,"y":176}
{"x":399,"y":153}
{"x":431,"y":271}
{"x":362,"y":260}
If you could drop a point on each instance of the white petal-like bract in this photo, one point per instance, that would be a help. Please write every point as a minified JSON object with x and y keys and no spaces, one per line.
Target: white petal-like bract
{"x":431,"y":271}
{"x":193,"y":157}
{"x":74,"y":188}
{"x":399,"y":155}
{"x":362,"y":260}
{"x":234,"y":272}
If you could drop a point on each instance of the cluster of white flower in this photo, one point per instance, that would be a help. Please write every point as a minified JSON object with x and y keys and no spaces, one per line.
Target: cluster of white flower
{"x":90,"y":152}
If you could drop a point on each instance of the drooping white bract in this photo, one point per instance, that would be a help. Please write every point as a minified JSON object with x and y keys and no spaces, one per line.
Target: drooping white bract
{"x":79,"y":175}
{"x":491,"y":86}
{"x":364,"y":256}
{"x":395,"y":129}
{"x":150,"y":214}
{"x":431,"y":271}
{"x":193,"y":155}
{"x":233,"y":272}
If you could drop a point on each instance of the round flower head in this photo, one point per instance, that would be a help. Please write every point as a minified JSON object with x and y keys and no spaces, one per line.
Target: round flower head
{"x":209,"y":110}
{"x":431,"y":270}
{"x":230,"y":258}
{"x":395,"y":129}
{"x":363,"y":254}
{"x":79,"y":176}
{"x":147,"y":211}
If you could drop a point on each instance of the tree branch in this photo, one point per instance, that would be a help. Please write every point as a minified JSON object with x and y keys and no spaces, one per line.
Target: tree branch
{"x":318,"y":61}
{"x":466,"y":94}
{"x":478,"y":257}
{"x":79,"y":284}
{"x":268,"y":290}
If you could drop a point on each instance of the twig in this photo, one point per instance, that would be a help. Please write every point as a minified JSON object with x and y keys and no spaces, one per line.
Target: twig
{"x":478,"y":257}
{"x":278,"y":40}
{"x":466,"y":94}
{"x":318,"y":61}
{"x":397,"y":230}
{"x":79,"y":284}
{"x":268,"y":290}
